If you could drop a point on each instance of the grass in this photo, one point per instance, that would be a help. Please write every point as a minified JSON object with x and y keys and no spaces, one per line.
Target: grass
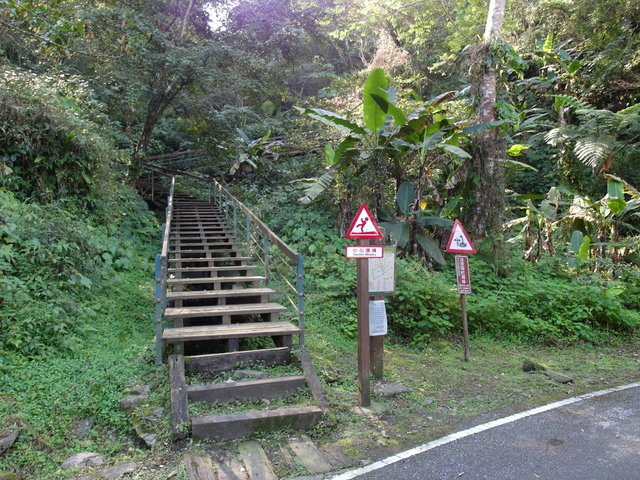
{"x":447,"y":394}
{"x":46,"y":397}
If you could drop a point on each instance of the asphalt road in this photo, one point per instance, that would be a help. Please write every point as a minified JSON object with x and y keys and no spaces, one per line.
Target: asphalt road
{"x":592,"y":439}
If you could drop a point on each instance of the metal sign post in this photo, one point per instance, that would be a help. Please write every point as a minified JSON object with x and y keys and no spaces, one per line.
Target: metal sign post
{"x":464,"y":288}
{"x":364,"y":228}
{"x":460,"y":242}
{"x":364,"y":361}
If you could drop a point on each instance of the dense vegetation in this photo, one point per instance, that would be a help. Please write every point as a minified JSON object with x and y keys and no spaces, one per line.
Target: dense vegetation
{"x":529,"y":133}
{"x":544,"y":178}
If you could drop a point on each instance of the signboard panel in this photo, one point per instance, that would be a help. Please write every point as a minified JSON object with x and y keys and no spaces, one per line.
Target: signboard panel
{"x":382,"y":273}
{"x":363,"y":226}
{"x":377,"y":318}
{"x":358,"y":251}
{"x":459,"y":241}
{"x":463,"y":277}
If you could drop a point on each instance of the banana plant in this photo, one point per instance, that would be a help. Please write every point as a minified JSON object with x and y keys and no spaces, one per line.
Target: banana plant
{"x":251,"y":151}
{"x":595,"y":225}
{"x":388,"y":134}
{"x":416,"y":225}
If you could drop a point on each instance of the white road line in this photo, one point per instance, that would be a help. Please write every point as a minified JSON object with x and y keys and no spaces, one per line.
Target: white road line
{"x":480,"y":428}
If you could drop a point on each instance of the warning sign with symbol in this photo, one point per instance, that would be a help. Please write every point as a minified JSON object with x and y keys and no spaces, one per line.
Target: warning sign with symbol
{"x":363,"y":226}
{"x":459,"y":241}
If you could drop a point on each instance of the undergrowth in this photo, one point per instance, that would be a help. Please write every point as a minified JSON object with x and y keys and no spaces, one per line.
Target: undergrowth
{"x":53,"y":254}
{"x":544,"y":303}
{"x":46,"y":396}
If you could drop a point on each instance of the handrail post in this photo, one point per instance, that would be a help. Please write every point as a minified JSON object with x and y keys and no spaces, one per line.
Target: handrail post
{"x":153,"y":186}
{"x":235,"y":221}
{"x":265,"y":246}
{"x":300,"y":290}
{"x":209,"y":191}
{"x":248,"y":235}
{"x":159,"y":308}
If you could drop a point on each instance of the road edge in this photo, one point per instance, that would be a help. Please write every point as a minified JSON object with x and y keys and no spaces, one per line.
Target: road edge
{"x":477,"y":429}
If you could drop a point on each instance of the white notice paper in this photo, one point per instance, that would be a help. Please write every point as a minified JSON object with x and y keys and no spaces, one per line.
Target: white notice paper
{"x":377,"y":318}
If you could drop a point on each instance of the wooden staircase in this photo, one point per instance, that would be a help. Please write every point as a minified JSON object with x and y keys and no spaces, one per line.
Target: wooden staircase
{"x":215,"y":303}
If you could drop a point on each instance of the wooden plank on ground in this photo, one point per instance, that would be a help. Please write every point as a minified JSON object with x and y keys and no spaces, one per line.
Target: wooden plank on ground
{"x":199,"y":467}
{"x":179,"y":405}
{"x":222,"y":332}
{"x":256,"y":461}
{"x":285,"y":453}
{"x":336,"y":457}
{"x":222,"y":362}
{"x":229,"y":468}
{"x":317,"y":390}
{"x":250,"y":389}
{"x":309,"y":455}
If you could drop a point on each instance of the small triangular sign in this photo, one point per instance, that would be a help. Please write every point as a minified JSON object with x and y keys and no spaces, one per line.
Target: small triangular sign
{"x":459,"y":241}
{"x":363,"y":226}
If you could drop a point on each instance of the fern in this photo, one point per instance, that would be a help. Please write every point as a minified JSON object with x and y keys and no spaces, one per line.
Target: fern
{"x":593,"y":151}
{"x":562,"y":100}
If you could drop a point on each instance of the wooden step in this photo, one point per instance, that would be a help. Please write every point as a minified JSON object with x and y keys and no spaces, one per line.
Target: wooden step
{"x":229,"y":293}
{"x":175,"y":223}
{"x":246,"y":390}
{"x":241,"y":425}
{"x":220,"y":310}
{"x":203,"y":244}
{"x":199,"y":233}
{"x":223,"y":246}
{"x":204,"y":281}
{"x":200,"y":239}
{"x":209,"y":259}
{"x":214,"y":363}
{"x":223,"y":332}
{"x":221,"y":268}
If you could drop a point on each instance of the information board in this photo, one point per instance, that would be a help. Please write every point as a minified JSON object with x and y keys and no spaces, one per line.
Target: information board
{"x":382,"y":273}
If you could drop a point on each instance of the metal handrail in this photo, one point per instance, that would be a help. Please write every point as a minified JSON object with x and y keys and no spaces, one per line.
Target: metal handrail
{"x":161,"y":268}
{"x":295,"y":259}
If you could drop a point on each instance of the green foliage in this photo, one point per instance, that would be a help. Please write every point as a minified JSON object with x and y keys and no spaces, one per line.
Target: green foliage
{"x":53,"y":253}
{"x":425,"y":306}
{"x":544,"y":304}
{"x":48,"y":395}
{"x":55,"y":142}
{"x":376,"y":85}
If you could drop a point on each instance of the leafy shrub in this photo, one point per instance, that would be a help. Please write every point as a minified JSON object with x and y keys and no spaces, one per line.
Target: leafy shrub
{"x":50,"y":255}
{"x":424,"y":306}
{"x":546,"y":304}
{"x":55,"y":142}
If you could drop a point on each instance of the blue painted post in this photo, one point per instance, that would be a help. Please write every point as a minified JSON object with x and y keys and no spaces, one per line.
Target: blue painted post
{"x":235,"y":221}
{"x":248,"y":235}
{"x":265,"y":247}
{"x":300,"y":289}
{"x":159,"y":308}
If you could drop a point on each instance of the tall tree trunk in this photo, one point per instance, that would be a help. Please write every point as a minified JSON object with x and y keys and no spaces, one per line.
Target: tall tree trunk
{"x":164,"y":90}
{"x":488,"y":200}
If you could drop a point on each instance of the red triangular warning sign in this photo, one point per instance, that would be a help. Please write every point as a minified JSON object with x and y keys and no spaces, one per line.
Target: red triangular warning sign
{"x":363,"y":226}
{"x":459,"y":241}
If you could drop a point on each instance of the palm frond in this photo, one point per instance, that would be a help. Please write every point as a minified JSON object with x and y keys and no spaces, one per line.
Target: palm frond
{"x":316,"y":186}
{"x":593,"y":151}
